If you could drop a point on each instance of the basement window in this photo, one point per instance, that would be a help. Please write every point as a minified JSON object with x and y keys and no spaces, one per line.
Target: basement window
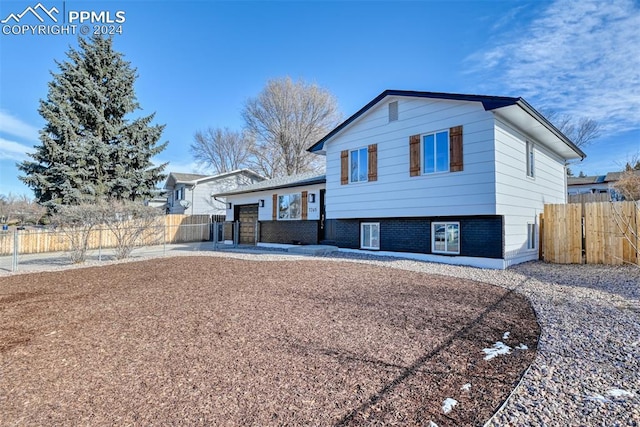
{"x":445,"y":237}
{"x":370,"y":235}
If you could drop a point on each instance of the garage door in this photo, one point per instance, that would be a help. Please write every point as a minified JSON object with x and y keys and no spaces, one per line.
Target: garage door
{"x":248,"y":216}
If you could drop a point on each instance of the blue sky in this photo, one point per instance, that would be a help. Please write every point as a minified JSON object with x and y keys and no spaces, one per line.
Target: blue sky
{"x":198,"y":62}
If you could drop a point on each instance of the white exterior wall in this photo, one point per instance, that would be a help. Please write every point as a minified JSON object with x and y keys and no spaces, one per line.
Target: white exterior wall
{"x":266,"y":213}
{"x":520,"y":198}
{"x":200,"y":198}
{"x":395,"y":193}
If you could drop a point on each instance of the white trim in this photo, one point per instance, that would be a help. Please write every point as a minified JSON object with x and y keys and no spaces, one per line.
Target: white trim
{"x":366,"y":149}
{"x":276,"y":245}
{"x":489,"y":263}
{"x":422,"y":163}
{"x":433,"y":237}
{"x":362,"y":225}
{"x":299,"y":218}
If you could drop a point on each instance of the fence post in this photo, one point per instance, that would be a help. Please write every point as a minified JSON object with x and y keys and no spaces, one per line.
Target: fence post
{"x":14,"y":259}
{"x":236,"y":234}
{"x":164,"y":238}
{"x":100,"y":244}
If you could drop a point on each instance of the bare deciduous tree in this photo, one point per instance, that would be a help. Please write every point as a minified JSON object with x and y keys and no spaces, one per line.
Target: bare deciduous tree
{"x":629,"y":184}
{"x":285,"y":119}
{"x":128,"y":221}
{"x":223,"y":150}
{"x":20,"y":210}
{"x":76,"y":222}
{"x":581,"y":131}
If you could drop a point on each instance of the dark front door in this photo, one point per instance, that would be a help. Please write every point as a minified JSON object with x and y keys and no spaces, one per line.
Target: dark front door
{"x":248,"y":217}
{"x":322,"y":223}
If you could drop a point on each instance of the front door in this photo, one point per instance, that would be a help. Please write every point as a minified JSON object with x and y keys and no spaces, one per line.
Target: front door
{"x":248,"y":217}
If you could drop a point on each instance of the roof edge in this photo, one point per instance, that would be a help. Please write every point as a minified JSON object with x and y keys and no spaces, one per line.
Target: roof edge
{"x":488,"y":103}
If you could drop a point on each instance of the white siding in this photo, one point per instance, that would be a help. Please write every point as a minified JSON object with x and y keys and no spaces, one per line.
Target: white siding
{"x":395,"y":193}
{"x":520,"y":198}
{"x":200,"y":200}
{"x":266,"y":213}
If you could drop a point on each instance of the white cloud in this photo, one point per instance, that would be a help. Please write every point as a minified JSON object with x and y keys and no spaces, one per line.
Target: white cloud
{"x":577,"y":57}
{"x":13,"y":126}
{"x":12,"y":150}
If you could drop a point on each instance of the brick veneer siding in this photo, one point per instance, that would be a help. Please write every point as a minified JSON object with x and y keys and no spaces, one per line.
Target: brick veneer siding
{"x":479,"y":236}
{"x":305,"y":232}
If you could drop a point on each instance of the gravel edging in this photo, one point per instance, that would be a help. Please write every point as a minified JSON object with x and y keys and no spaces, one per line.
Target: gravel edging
{"x":587,"y":370}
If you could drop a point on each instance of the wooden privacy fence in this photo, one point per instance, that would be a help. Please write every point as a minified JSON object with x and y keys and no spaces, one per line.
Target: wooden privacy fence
{"x":165,"y":229}
{"x":593,"y":233}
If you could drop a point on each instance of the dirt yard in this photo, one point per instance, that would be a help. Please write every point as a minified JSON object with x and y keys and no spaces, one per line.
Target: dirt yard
{"x":214,"y":341}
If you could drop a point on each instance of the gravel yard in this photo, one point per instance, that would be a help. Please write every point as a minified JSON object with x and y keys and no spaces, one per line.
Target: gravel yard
{"x":586,"y":370}
{"x":222,"y":341}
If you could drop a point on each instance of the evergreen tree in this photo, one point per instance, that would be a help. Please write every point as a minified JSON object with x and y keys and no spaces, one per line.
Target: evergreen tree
{"x":90,"y":150}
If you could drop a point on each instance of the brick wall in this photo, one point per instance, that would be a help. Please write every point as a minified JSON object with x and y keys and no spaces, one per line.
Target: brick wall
{"x":480,"y":236}
{"x":287,"y":232}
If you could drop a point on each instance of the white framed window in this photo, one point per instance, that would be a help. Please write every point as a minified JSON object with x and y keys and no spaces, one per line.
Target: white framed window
{"x":358,"y":161}
{"x":290,"y":206}
{"x":435,"y":152}
{"x":531,"y":172}
{"x":445,"y":237}
{"x":370,"y":235}
{"x":531,"y":235}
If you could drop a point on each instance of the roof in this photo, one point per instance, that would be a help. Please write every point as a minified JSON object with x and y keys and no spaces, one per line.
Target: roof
{"x":193,"y":178}
{"x":615,"y":176}
{"x":186,"y":177}
{"x":582,"y":180}
{"x":490,"y":103}
{"x":290,"y":181}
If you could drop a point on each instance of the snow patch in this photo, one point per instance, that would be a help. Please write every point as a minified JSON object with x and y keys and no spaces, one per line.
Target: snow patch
{"x":432,"y":424}
{"x":618,"y":392}
{"x":522,"y":347}
{"x":448,"y":405}
{"x":466,"y":387}
{"x":598,"y":398}
{"x":505,"y":336}
{"x":498,"y":349}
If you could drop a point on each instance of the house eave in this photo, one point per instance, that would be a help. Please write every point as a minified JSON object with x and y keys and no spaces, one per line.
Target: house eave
{"x":501,"y":105}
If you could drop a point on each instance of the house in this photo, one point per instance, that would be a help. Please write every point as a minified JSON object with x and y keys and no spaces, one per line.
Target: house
{"x":282,"y":210}
{"x":437,"y":176}
{"x":191,"y":194}
{"x":596,"y":184}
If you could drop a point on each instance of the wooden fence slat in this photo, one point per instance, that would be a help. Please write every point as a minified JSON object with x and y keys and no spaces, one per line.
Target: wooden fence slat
{"x":168,"y":228}
{"x":611,"y":233}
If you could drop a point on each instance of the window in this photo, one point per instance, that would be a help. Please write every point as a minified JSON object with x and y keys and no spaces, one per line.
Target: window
{"x":370,"y":235}
{"x":531,"y":236}
{"x":393,"y":111}
{"x":180,"y":193}
{"x":359,"y":165}
{"x":445,"y":237}
{"x":530,"y":160}
{"x":289,"y":206}
{"x":435,"y":152}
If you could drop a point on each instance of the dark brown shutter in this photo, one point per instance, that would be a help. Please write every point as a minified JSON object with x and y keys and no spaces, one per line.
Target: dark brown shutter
{"x":304,"y":205}
{"x":344,"y":167}
{"x":274,"y":215}
{"x":455,"y":149}
{"x":414,"y":155}
{"x":373,"y":162}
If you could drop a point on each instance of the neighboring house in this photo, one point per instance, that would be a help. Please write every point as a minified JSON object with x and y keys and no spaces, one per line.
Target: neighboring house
{"x":192,"y":194}
{"x":596,"y":184}
{"x":449,"y":177}
{"x":288,"y":209}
